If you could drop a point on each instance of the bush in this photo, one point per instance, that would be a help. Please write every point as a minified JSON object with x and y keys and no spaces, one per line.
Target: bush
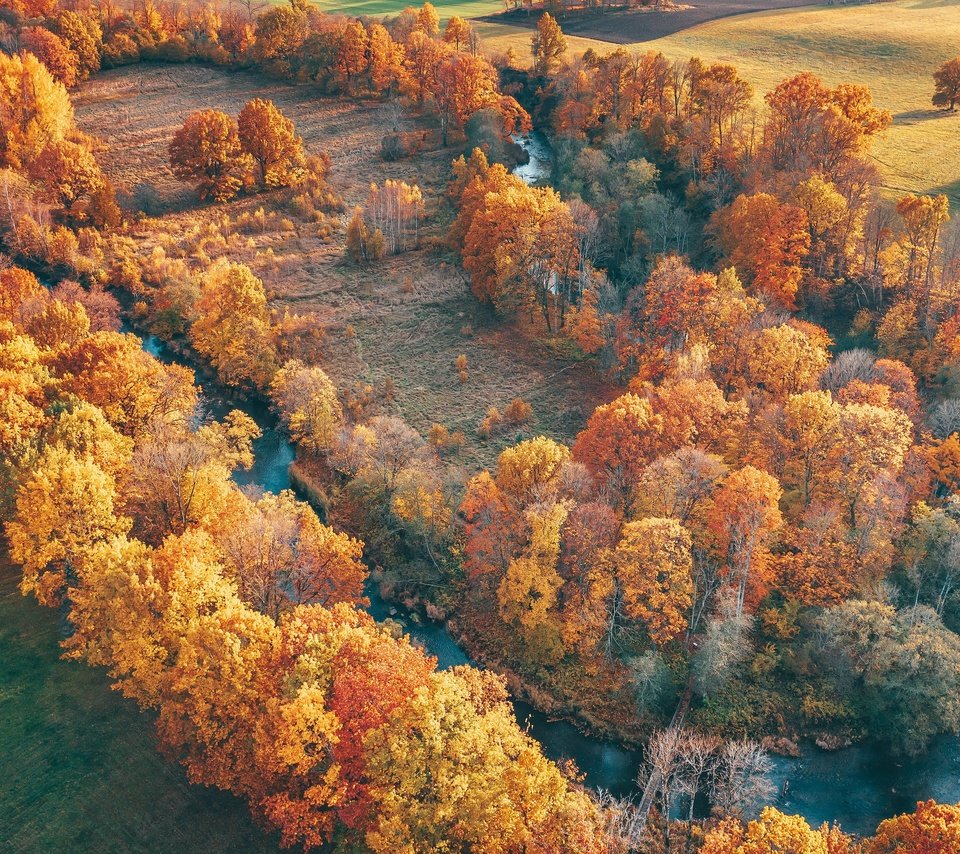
{"x":518,"y":412}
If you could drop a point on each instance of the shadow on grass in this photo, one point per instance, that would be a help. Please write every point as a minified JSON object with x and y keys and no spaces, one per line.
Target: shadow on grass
{"x":79,"y":764}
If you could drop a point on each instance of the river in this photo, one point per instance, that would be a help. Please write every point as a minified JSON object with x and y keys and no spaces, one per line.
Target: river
{"x":857,"y":787}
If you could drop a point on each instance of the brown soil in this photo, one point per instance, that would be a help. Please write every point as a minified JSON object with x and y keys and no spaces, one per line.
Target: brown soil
{"x":377,"y":328}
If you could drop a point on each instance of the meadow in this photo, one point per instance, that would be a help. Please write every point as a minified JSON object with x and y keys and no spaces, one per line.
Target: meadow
{"x":79,"y":764}
{"x":407,"y":319}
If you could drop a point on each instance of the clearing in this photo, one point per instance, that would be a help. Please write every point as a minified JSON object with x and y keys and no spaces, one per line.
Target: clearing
{"x":407,"y":318}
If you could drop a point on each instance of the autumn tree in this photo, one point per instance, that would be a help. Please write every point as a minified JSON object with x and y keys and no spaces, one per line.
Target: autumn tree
{"x":281,"y":555}
{"x":268,"y":136}
{"x":772,"y":832}
{"x":521,"y":251}
{"x":530,"y":471}
{"x":744,"y":517}
{"x":35,"y":110}
{"x":207,"y":150}
{"x":765,"y":240}
{"x":386,"y":69}
{"x":946,"y":84}
{"x":653,"y":570}
{"x":528,"y":591}
{"x":457,"y":32}
{"x":82,"y":34}
{"x":463,"y":84}
{"x":70,"y":172}
{"x":51,"y":50}
{"x":394,"y":210}
{"x":619,"y":440}
{"x":786,"y":360}
{"x":364,"y":245}
{"x":308,"y":404}
{"x":64,"y":508}
{"x":233,"y":328}
{"x":180,"y":478}
{"x":929,"y":829}
{"x":721,"y":95}
{"x":547,"y":44}
{"x":811,"y":427}
{"x":814,"y":128}
{"x":113,"y":372}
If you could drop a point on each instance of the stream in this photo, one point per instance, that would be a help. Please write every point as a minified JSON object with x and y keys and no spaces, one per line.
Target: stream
{"x":857,"y":787}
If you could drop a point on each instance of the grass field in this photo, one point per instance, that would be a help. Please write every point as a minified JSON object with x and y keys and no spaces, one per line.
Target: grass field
{"x":891,"y":47}
{"x":78,"y":764}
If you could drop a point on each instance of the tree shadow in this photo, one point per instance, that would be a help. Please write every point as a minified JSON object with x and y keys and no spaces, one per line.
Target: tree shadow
{"x":924,"y":115}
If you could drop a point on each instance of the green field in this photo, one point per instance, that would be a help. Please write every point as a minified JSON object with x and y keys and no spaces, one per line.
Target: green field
{"x":78,"y":764}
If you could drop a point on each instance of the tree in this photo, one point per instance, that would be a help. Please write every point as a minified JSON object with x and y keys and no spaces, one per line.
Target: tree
{"x":930,"y":829}
{"x":457,"y":32}
{"x":721,"y":95}
{"x":445,"y":771}
{"x":386,"y":68}
{"x":133,"y":389}
{"x":64,"y":508}
{"x":82,"y":34}
{"x":528,"y":591}
{"x":903,"y":668}
{"x":653,"y":567}
{"x":786,"y":360}
{"x":873,"y":440}
{"x":394,"y":211}
{"x":619,"y":440}
{"x":35,"y":110}
{"x":521,"y":249}
{"x":70,"y":172}
{"x":207,"y":150}
{"x":308,"y":404}
{"x":772,"y":833}
{"x":814,"y":128}
{"x":428,"y":21}
{"x":180,"y":478}
{"x":529,"y":472}
{"x":946,"y":84}
{"x":811,"y":426}
{"x":463,"y":84}
{"x":280,"y":555}
{"x":51,"y":50}
{"x":765,"y":239}
{"x":268,"y":136}
{"x":547,"y":44}
{"x":233,"y":328}
{"x":744,"y":516}
{"x":362,"y":245}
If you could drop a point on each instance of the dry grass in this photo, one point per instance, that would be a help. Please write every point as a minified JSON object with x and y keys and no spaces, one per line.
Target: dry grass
{"x":891,"y":47}
{"x":378,"y":328}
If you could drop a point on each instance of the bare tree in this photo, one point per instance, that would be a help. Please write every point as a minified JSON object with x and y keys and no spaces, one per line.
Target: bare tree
{"x":740,"y":782}
{"x":662,"y":771}
{"x":698,"y":758}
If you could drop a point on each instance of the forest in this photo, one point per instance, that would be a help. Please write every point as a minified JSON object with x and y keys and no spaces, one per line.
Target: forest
{"x":667,"y":438}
